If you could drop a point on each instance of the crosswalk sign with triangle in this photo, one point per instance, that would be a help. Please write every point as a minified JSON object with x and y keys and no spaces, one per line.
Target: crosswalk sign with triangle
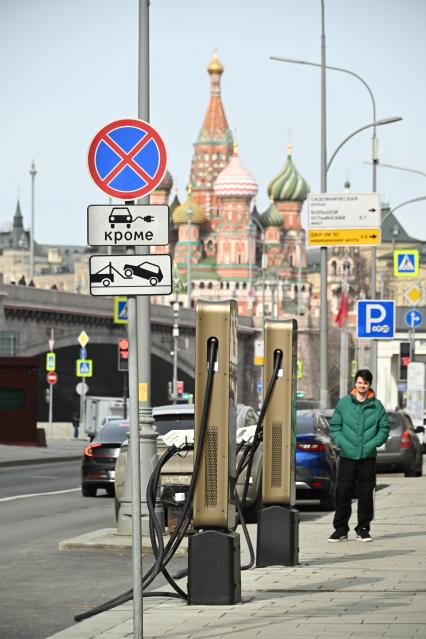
{"x":406,"y":263}
{"x":120,"y":310}
{"x":84,"y":368}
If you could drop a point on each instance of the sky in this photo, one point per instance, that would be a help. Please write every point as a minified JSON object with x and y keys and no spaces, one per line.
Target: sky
{"x":69,"y":67}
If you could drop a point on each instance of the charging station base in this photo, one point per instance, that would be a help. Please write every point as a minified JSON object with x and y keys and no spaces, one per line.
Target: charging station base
{"x":214,"y":568}
{"x":277,"y":536}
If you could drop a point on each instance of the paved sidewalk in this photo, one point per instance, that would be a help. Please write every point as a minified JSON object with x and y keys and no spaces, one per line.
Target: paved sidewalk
{"x":340,"y":590}
{"x":55,"y":451}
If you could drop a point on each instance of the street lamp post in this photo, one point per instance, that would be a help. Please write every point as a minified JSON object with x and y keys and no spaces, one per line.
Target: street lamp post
{"x":189,"y":284}
{"x":375,"y":162}
{"x":273,"y":284}
{"x":33,"y":173}
{"x":175,"y":346}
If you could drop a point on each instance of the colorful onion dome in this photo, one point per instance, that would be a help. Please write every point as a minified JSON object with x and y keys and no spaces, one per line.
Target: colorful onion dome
{"x":288,"y":185}
{"x":215,"y":66}
{"x":180,"y":214}
{"x":166,"y":183}
{"x":234,"y":180}
{"x":272,"y":216}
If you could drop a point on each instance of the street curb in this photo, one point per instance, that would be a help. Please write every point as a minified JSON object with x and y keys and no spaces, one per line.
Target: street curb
{"x":48,"y":460}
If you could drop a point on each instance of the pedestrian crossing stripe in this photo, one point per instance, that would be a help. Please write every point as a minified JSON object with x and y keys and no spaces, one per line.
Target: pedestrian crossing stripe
{"x":84,"y":368}
{"x":120,"y":310}
{"x":406,"y":263}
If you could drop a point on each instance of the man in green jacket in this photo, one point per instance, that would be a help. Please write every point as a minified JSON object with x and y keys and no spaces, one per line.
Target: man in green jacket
{"x":358,"y":427}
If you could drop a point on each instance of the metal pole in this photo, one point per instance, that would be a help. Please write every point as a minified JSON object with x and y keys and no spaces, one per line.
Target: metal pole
{"x":50,"y":409}
{"x":373,"y":271}
{"x":189,"y":216}
{"x":299,"y":275}
{"x":250,"y":264}
{"x":136,"y":471}
{"x":82,"y":404}
{"x":264,"y":267}
{"x":33,"y":173}
{"x":175,"y":347}
{"x":324,"y":396}
{"x":412,"y":338}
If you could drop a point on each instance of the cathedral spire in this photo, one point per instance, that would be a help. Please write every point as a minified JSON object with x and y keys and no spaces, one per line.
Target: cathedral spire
{"x":17,"y":218}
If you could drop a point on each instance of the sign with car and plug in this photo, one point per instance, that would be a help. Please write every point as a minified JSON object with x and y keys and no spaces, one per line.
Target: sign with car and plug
{"x":128,"y":225}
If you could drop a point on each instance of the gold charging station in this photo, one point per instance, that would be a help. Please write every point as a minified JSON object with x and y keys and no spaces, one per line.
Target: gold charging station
{"x":214,"y":501}
{"x":279,"y":426}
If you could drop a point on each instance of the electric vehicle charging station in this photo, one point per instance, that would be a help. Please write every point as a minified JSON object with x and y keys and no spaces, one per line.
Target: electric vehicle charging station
{"x":278,"y":522}
{"x":214,"y":571}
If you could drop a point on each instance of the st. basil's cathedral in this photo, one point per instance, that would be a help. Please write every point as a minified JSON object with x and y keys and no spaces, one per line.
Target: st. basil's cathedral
{"x":256,"y":258}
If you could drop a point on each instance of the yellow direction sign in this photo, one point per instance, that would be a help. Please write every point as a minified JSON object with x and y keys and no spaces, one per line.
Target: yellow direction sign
{"x":344,"y":237}
{"x":299,"y":369}
{"x":414,"y":294}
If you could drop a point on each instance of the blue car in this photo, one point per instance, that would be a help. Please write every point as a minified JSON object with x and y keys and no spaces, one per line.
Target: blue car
{"x":316,"y":459}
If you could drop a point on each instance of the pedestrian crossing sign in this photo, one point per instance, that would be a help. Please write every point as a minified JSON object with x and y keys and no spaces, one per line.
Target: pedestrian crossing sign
{"x":120,"y":310}
{"x":84,"y":368}
{"x":406,"y":263}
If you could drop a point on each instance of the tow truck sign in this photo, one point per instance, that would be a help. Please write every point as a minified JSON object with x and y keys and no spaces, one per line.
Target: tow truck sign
{"x":130,"y":275}
{"x":128,"y":225}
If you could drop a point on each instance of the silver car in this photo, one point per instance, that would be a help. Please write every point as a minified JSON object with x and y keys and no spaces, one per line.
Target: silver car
{"x":403,"y":450}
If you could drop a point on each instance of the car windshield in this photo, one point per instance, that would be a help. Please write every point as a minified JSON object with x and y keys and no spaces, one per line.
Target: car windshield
{"x":305,"y":423}
{"x":166,"y":423}
{"x":113,"y":432}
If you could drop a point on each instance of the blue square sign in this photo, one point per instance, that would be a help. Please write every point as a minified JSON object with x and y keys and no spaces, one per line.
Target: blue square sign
{"x":375,"y":319}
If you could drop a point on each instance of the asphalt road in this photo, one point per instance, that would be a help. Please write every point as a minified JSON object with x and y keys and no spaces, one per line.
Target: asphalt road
{"x":41,"y":588}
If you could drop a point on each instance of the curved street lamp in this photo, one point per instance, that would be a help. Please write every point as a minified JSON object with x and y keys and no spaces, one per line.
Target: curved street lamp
{"x":375,"y":162}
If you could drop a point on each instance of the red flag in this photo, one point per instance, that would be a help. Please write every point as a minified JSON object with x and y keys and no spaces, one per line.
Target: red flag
{"x":342,"y":313}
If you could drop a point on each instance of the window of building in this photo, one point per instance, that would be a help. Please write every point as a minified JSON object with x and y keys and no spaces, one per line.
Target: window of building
{"x":210,"y":285}
{"x":334,"y":267}
{"x":9,"y":343}
{"x":201,"y":284}
{"x":291,"y":261}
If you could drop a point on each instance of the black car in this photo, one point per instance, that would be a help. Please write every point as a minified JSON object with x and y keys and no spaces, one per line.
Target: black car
{"x":100,"y":456}
{"x":146,"y":270}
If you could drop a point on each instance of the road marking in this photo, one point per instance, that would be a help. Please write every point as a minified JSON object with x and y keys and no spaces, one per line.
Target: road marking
{"x":54,"y":492}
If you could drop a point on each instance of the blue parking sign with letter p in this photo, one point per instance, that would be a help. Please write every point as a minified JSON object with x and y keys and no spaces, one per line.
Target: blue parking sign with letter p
{"x":375,"y":319}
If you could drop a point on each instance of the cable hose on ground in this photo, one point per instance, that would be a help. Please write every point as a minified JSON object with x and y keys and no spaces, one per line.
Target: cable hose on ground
{"x":126,"y":596}
{"x":184,"y":520}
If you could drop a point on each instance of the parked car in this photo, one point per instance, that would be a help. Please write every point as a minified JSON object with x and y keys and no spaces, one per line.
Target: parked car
{"x":316,"y":465}
{"x":176,"y":422}
{"x":100,"y":456}
{"x":403,"y":450}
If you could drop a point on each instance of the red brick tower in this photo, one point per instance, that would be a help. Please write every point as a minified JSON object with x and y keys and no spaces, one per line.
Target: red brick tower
{"x":213,"y":148}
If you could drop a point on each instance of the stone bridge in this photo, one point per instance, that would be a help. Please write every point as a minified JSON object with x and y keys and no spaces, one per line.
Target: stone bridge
{"x":30,"y":314}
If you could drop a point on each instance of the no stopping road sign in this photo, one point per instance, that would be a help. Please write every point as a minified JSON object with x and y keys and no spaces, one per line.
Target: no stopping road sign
{"x":127,"y":159}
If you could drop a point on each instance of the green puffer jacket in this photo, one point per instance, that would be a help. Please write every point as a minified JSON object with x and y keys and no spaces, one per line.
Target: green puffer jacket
{"x":358,"y":428}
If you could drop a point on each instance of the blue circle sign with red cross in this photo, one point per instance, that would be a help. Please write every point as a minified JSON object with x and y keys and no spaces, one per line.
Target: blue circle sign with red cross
{"x":127,"y":159}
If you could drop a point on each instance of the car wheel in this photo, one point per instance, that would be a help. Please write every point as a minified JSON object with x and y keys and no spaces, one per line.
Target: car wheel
{"x":88,"y":491}
{"x":410,"y":472}
{"x":251,"y":513}
{"x":110,"y":491}
{"x":153,"y":281}
{"x":106,"y":282}
{"x":128,"y":272}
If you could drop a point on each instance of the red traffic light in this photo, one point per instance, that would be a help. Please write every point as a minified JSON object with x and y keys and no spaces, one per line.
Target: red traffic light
{"x":123,"y":345}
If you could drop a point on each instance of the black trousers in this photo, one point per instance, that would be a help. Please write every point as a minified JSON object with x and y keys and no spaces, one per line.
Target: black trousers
{"x":362,"y":473}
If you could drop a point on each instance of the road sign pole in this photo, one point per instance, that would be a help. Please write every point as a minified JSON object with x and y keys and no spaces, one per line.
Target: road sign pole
{"x":50,"y":410}
{"x":135,"y":460}
{"x":82,"y":404}
{"x":412,"y":338}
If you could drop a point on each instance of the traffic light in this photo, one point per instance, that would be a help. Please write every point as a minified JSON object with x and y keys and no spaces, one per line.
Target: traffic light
{"x":404,"y":360}
{"x":123,"y":354}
